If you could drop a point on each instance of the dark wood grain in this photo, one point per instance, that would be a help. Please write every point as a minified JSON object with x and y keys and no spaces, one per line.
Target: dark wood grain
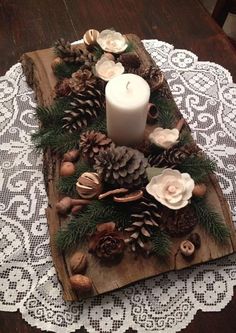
{"x":28,"y":25}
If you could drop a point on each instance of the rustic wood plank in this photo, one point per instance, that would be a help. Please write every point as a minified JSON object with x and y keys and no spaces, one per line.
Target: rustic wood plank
{"x":40,"y":76}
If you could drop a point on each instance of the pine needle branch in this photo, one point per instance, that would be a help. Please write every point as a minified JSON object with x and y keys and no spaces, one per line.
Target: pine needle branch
{"x":198,"y":167}
{"x":166,"y":116}
{"x":65,"y":70}
{"x":161,"y":244}
{"x":210,"y":220}
{"x":50,"y":116}
{"x":98,"y":211}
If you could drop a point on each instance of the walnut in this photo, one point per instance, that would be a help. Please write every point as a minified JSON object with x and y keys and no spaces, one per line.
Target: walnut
{"x":78,"y":262}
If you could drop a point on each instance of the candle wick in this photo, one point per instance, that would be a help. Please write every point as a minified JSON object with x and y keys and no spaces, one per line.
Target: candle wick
{"x":127,"y":85}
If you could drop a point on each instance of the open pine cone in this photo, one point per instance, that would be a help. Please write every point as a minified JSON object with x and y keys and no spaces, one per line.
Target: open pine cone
{"x":122,"y":166}
{"x":174,"y":156}
{"x":151,"y":74}
{"x":84,"y":108}
{"x":129,"y":61}
{"x":81,"y":80}
{"x":73,"y":54}
{"x":145,"y":219}
{"x":91,"y":143}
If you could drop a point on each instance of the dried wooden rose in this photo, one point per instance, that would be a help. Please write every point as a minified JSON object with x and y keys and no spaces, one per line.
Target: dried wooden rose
{"x":107,"y":243}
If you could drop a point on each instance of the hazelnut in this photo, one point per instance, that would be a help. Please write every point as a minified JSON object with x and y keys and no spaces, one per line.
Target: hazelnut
{"x":67,"y":169}
{"x":78,"y":262}
{"x":81,"y":283}
{"x":199,"y":190}
{"x":187,"y":248}
{"x":71,"y":156}
{"x":195,"y":239}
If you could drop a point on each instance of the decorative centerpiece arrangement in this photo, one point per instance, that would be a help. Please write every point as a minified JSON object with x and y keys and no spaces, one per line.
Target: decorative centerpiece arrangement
{"x":135,"y":195}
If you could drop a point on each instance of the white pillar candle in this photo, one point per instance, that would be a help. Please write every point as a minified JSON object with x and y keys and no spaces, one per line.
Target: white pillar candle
{"x":127,"y":98}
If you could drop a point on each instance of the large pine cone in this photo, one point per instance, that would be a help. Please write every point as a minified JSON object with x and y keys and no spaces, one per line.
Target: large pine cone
{"x":178,"y":222}
{"x":91,"y":143}
{"x":145,"y":219}
{"x":173,"y":156}
{"x":84,"y":108}
{"x":151,"y":74}
{"x":122,"y":166}
{"x":73,"y":54}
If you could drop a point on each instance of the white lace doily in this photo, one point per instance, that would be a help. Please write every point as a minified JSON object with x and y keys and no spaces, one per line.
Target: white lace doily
{"x":206,"y":97}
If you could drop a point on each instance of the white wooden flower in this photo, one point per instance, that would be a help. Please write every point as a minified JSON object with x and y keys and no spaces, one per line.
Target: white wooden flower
{"x":172,"y":188}
{"x":112,"y":41}
{"x":164,"y":138}
{"x":107,"y":69}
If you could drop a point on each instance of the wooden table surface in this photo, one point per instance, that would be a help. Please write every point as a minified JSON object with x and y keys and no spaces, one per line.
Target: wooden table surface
{"x":27,"y":25}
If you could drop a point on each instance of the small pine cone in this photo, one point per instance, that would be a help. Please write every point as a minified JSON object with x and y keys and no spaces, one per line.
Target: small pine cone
{"x":145,"y":219}
{"x":122,"y":166}
{"x":62,"y":88}
{"x":151,"y":74}
{"x":91,"y":143}
{"x":81,"y":80}
{"x":84,"y":108}
{"x":174,"y":156}
{"x":178,"y":222}
{"x":73,"y":54}
{"x":129,"y":60}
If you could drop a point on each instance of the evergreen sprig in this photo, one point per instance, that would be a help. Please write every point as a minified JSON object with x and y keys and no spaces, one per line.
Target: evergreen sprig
{"x":210,"y":220}
{"x":198,"y":167}
{"x":67,"y":185}
{"x":98,"y":211}
{"x":161,"y":244}
{"x":52,"y":115}
{"x":65,"y":70}
{"x":166,"y":116}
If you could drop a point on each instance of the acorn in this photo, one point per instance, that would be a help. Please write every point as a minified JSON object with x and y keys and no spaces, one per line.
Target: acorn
{"x":56,"y":61}
{"x":89,"y":185}
{"x":199,"y":190}
{"x":81,"y":283}
{"x":71,"y":156}
{"x":67,"y":169}
{"x":78,"y":262}
{"x":90,"y":37}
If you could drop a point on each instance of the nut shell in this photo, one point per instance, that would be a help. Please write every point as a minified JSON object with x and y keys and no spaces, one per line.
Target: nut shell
{"x":67,"y":169}
{"x":81,"y":283}
{"x":199,"y":190}
{"x":89,"y":185}
{"x":187,"y":248}
{"x":71,"y":155}
{"x":90,"y":37}
{"x":78,"y":262}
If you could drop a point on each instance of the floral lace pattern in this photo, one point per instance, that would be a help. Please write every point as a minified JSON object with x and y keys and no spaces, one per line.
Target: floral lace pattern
{"x":206,"y":96}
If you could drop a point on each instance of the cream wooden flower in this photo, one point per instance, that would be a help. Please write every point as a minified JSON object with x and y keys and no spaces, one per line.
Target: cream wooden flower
{"x":172,"y":188}
{"x":107,"y":69}
{"x":164,"y":138}
{"x":112,"y":41}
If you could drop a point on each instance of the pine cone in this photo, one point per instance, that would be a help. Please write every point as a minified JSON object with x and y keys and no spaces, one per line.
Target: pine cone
{"x":121,"y":166}
{"x":173,"y":156}
{"x":164,"y":91}
{"x":82,"y":80}
{"x":145,"y":219}
{"x":129,"y":60}
{"x":73,"y":54}
{"x":151,"y":74}
{"x":178,"y":222}
{"x":91,"y":143}
{"x":83,"y":109}
{"x":62,"y":88}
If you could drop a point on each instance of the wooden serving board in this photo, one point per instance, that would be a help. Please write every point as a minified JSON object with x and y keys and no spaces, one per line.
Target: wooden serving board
{"x":37,"y":68}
